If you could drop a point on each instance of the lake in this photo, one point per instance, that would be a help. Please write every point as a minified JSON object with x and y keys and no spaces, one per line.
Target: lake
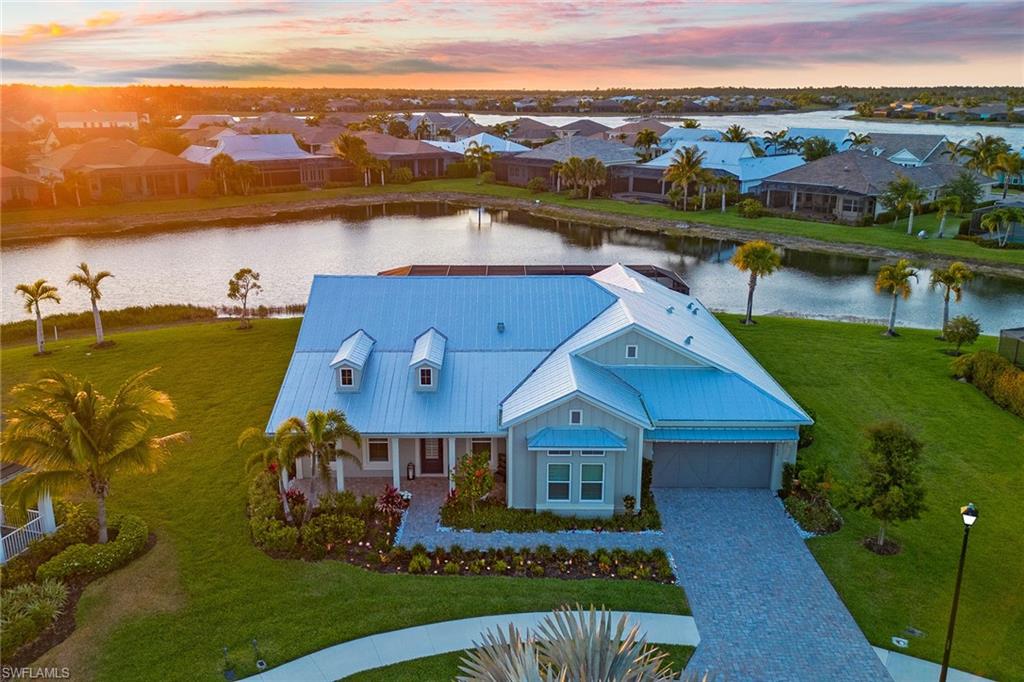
{"x":193,"y":266}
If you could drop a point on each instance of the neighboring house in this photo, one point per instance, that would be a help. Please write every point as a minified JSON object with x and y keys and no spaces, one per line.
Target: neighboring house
{"x":48,"y":143}
{"x":207,"y":135}
{"x":79,"y":120}
{"x":1011,"y":345}
{"x":673,"y":136}
{"x":277,"y":157}
{"x":569,"y":382}
{"x":627,"y":133}
{"x":531,"y":131}
{"x":734,"y":159}
{"x":584,"y":127}
{"x":537,"y":163}
{"x":424,"y":160}
{"x":344,"y":104}
{"x":846,"y":186}
{"x":525,"y":104}
{"x":137,"y":172}
{"x":568,"y":104}
{"x":12,"y":130}
{"x":457,"y":127}
{"x":497,"y":144}
{"x":273,"y":122}
{"x":320,"y":139}
{"x":199,"y":120}
{"x":774,"y":103}
{"x":908,"y":149}
{"x":20,"y":188}
{"x":606,"y":105}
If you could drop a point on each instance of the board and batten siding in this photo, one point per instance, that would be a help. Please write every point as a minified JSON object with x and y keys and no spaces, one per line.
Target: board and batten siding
{"x":528,"y":470}
{"x":649,"y":352}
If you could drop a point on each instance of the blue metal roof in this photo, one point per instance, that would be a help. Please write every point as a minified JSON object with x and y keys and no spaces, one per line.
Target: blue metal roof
{"x":354,"y":350}
{"x":677,"y":134}
{"x":429,"y":348}
{"x":576,"y":438}
{"x":732,"y":435}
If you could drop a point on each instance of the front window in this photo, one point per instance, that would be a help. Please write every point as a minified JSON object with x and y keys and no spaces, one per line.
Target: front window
{"x":558,"y":482}
{"x":481,"y":445}
{"x":851,"y":205}
{"x":559,"y":453}
{"x":378,"y":450}
{"x":592,"y":482}
{"x":426,"y":376}
{"x":592,"y":453}
{"x":346,"y":376}
{"x":575,"y":416}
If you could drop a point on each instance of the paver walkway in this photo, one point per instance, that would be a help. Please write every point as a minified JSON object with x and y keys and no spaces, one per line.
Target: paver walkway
{"x":764,"y":607}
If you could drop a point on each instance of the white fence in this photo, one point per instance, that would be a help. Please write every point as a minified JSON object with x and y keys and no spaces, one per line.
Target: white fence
{"x":16,"y":541}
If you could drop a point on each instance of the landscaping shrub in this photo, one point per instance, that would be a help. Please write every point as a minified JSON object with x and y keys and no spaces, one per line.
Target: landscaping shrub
{"x":26,"y":610}
{"x":93,"y":560}
{"x":451,"y":568}
{"x":280,"y":189}
{"x":264,"y":498}
{"x":472,"y":479}
{"x":460,"y":169}
{"x":537,"y":185}
{"x":339,"y":503}
{"x":812,"y":517}
{"x":401,"y":176}
{"x":111,"y":196}
{"x":321,"y":533}
{"x":488,"y":178}
{"x":995,"y":376}
{"x":272,"y":535}
{"x":206,"y":189}
{"x":420,"y":563}
{"x":750,"y":208}
{"x":76,"y":527}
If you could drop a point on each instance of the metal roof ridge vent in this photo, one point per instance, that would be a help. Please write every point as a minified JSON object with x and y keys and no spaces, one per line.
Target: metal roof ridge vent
{"x":688,"y":340}
{"x":689,"y":306}
{"x":694,"y":311}
{"x":671,"y":309}
{"x":501,"y":327}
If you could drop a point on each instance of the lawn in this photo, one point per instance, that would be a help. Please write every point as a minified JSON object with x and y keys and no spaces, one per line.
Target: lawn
{"x":882,"y":236}
{"x":446,"y":667}
{"x":224,"y":380}
{"x":850,"y":375}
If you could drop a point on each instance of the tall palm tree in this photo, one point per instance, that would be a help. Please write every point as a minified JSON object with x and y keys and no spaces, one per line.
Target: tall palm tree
{"x":951,"y":203}
{"x":352,"y":148}
{"x":1010,"y":164}
{"x":317,"y":437}
{"x":900,"y":194}
{"x":954,"y":150}
{"x":266,"y":452}
{"x":74,"y":181}
{"x":858,"y":139}
{"x":792,"y":145}
{"x":994,"y":221}
{"x":982,"y":151}
{"x":70,"y":436}
{"x":572,"y":172}
{"x":726,"y":184}
{"x":478,"y":154}
{"x":594,"y":174}
{"x":895,"y":279}
{"x":705,"y":180}
{"x":569,"y":644}
{"x":736,"y":133}
{"x":502,"y":130}
{"x":691,"y":123}
{"x":684,"y":169}
{"x":645,"y":140}
{"x":221,"y":167}
{"x":773,"y":139}
{"x":34,"y":294}
{"x":422,"y":129}
{"x":760,"y":259}
{"x":556,"y":175}
{"x":51,"y":182}
{"x":244,"y":174}
{"x":84,"y":279}
{"x":952,"y":279}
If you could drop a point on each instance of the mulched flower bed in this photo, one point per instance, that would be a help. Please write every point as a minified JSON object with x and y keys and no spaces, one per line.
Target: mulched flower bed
{"x":888,"y":548}
{"x":813,"y":515}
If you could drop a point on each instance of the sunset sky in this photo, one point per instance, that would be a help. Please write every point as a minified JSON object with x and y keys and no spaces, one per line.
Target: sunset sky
{"x":520,"y":44}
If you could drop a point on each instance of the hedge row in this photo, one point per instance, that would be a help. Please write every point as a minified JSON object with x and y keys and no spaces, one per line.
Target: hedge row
{"x":995,"y":376}
{"x":76,"y":527}
{"x":91,"y":560}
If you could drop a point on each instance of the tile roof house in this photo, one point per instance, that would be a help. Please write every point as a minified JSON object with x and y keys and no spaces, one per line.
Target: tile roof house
{"x":846,"y":186}
{"x":569,"y":381}
{"x":521,"y":168}
{"x":278,"y":158}
{"x":97,"y":119}
{"x":584,"y":127}
{"x":627,"y":132}
{"x":137,"y":172}
{"x":424,"y":160}
{"x":530,"y":131}
{"x":908,"y":149}
{"x":438,"y":125}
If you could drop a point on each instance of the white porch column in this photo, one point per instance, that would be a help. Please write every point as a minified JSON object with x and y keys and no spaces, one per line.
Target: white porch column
{"x":46,"y":518}
{"x":494,"y":453}
{"x":451,"y":463}
{"x":284,"y":478}
{"x":794,"y":201}
{"x":639,"y":468}
{"x":768,"y":199}
{"x":396,"y":479}
{"x":339,"y":474}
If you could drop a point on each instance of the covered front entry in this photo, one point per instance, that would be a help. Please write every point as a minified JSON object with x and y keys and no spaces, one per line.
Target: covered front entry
{"x":431,"y":455}
{"x":712,"y":465}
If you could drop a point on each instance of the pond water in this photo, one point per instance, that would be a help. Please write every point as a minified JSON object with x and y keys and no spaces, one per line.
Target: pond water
{"x":193,"y":266}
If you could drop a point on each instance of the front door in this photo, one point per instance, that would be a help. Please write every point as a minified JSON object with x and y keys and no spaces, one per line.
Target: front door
{"x":431,"y":456}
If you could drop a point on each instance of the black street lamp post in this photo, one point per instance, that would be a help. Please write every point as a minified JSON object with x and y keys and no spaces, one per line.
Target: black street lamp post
{"x":969,"y":515}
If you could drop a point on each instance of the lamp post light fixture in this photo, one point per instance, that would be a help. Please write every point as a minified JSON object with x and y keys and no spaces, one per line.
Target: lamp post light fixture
{"x":969,"y":514}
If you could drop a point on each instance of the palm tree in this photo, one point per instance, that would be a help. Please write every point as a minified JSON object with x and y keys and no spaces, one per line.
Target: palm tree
{"x":705,"y":180}
{"x":51,"y":182}
{"x":736,"y":133}
{"x":353,"y":149}
{"x":684,"y":169}
{"x":900,"y":194}
{"x":245,"y":175}
{"x":69,"y":436}
{"x":73,"y":181}
{"x":691,"y":123}
{"x":792,"y":145}
{"x":422,"y":129}
{"x":480,"y":154}
{"x":726,"y":184}
{"x":817,"y":147}
{"x":556,"y":175}
{"x":760,"y":259}
{"x":221,"y":166}
{"x":993,"y":221}
{"x":895,"y":279}
{"x":317,"y":437}
{"x":502,"y":130}
{"x":594,"y":174}
{"x":954,"y":150}
{"x":952,"y":280}
{"x":569,"y":644}
{"x":35,"y":294}
{"x":983,"y":151}
{"x":951,"y":203}
{"x":773,"y":139}
{"x":572,"y":172}
{"x":265,"y":453}
{"x":858,"y":139}
{"x":1011,"y":164}
{"x":645,"y":140}
{"x":91,"y":283}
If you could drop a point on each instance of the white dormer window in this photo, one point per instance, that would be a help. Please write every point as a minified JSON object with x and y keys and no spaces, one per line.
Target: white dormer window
{"x":426,"y":376}
{"x":576,"y":417}
{"x":345,"y":377}
{"x":631,"y":352}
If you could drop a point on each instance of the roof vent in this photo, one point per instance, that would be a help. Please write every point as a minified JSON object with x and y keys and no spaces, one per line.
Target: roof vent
{"x":501,"y":327}
{"x":694,"y":311}
{"x":688,"y":340}
{"x":689,"y":306}
{"x":671,"y":309}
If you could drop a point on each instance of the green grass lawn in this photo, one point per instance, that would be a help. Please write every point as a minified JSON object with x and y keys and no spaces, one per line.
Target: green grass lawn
{"x":446,"y":667}
{"x":883,"y":236}
{"x":849,"y":374}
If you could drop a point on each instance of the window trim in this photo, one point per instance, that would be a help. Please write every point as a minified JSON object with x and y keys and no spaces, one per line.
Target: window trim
{"x":559,"y":453}
{"x":567,"y":483}
{"x":592,"y":453}
{"x":582,"y":482}
{"x":430,"y":374}
{"x":376,"y":464}
{"x":634,"y":349}
{"x":572,"y":414}
{"x":351,"y":377}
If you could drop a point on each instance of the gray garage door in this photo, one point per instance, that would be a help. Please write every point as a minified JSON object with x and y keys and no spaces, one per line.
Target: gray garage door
{"x":712,"y":465}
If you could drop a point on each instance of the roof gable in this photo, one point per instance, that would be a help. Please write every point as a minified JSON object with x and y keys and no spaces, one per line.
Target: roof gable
{"x":354,"y":350}
{"x":428,"y":349}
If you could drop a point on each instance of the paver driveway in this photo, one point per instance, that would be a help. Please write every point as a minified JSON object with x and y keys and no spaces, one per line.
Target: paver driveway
{"x":765,"y":610}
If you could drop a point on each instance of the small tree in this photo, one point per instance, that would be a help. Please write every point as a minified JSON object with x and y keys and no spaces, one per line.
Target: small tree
{"x":952,"y":280}
{"x":895,"y":279}
{"x":891,"y":488}
{"x":473,"y":477}
{"x":34,"y":294}
{"x":961,"y":330}
{"x":244,"y":283}
{"x":760,"y":259}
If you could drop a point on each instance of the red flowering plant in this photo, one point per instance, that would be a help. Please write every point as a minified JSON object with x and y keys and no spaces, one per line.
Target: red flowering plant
{"x":391,"y":502}
{"x":473,"y":478}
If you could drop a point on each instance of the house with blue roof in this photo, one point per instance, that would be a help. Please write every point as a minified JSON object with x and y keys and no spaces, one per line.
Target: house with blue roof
{"x":569,"y":382}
